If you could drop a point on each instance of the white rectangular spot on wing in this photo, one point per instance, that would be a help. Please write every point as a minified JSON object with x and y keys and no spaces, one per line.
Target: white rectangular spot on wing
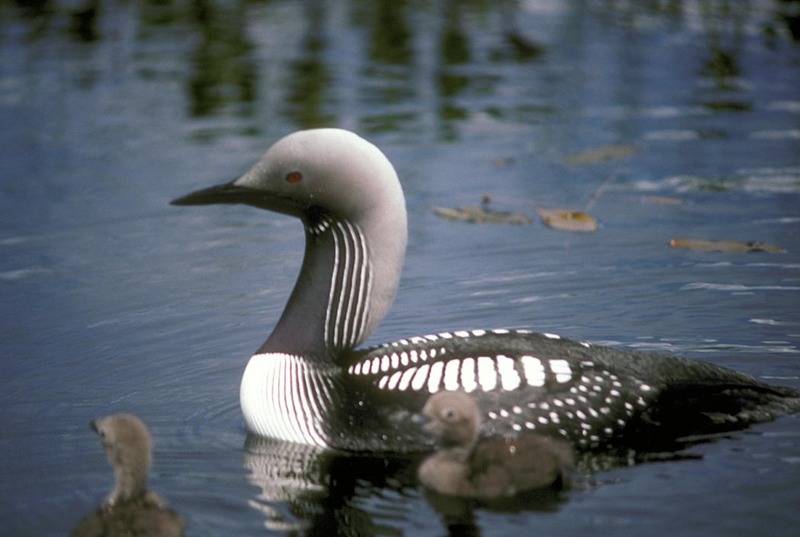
{"x":487,"y":375}
{"x":468,"y":382}
{"x":534,"y":370}
{"x":435,"y":377}
{"x":509,"y":378}
{"x":561,"y":369}
{"x":419,"y":379}
{"x":405,"y":380}
{"x":451,"y":375}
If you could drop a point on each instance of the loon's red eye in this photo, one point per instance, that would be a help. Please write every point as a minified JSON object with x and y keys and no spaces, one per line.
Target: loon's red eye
{"x":294,"y":177}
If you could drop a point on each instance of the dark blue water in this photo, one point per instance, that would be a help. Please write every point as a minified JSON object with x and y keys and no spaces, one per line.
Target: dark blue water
{"x":111,"y":300}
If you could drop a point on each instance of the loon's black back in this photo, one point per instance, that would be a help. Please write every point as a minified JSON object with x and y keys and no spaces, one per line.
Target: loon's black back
{"x":596,"y":397}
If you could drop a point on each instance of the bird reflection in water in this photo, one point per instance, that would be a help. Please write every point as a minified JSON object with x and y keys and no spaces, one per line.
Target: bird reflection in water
{"x":313,"y":491}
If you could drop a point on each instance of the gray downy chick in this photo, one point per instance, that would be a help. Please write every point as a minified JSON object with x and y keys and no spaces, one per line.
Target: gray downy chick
{"x":130,"y":509}
{"x":470,"y":466}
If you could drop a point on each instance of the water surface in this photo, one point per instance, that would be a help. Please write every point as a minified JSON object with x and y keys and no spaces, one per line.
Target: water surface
{"x":111,"y":300}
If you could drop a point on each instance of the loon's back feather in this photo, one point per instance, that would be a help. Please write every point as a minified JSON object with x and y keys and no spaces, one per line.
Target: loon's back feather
{"x":595,"y":396}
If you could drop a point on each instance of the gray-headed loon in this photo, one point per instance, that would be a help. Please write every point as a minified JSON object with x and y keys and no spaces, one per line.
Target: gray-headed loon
{"x":309,"y":383}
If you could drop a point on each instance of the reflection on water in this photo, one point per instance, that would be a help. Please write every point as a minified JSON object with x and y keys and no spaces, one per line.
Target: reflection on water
{"x":309,"y":86}
{"x":403,"y":60}
{"x":223,"y":73}
{"x":288,"y":474}
{"x":317,"y":491}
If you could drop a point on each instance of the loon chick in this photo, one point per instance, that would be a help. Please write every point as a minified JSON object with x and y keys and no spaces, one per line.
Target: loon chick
{"x":493,"y":467}
{"x":130,"y":509}
{"x":310,"y":383}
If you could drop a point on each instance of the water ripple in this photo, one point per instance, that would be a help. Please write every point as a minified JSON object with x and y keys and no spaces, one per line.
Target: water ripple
{"x":737,"y":287}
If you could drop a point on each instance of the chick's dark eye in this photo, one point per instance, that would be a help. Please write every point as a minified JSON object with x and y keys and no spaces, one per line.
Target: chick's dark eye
{"x":294,"y":177}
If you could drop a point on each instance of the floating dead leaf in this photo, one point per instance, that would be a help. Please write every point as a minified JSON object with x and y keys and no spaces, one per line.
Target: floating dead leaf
{"x":663,"y":200}
{"x":593,"y":156}
{"x":481,"y":215}
{"x":733,"y":247}
{"x":502,"y":162}
{"x":568,"y":220}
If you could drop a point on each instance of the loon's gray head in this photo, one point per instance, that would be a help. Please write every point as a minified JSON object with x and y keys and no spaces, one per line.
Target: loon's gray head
{"x":127,"y":444}
{"x":333,"y":180}
{"x":332,"y":170}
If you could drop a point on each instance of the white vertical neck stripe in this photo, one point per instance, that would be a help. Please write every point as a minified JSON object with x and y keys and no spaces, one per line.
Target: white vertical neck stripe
{"x":351,"y":282}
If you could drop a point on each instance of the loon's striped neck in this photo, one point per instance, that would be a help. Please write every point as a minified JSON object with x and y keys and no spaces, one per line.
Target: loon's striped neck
{"x":347,"y":307}
{"x":329,"y":309}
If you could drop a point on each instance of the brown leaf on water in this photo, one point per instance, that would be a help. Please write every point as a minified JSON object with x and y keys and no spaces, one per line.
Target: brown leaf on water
{"x":602,"y":154}
{"x":502,"y":162}
{"x":663,"y":200}
{"x":567,"y":220}
{"x":481,"y":215}
{"x":733,"y":247}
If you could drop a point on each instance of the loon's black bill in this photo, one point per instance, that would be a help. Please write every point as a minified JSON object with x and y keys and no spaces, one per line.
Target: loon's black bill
{"x":225,"y":193}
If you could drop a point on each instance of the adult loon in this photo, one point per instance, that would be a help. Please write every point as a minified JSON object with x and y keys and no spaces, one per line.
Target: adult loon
{"x":308,"y":383}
